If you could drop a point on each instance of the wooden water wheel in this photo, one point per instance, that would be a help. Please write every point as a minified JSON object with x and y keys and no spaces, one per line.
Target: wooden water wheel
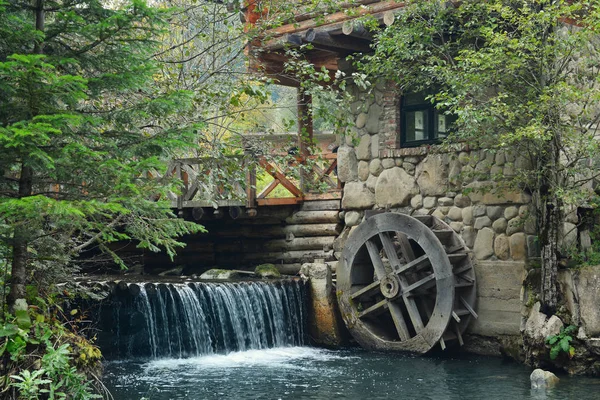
{"x":406,"y":283}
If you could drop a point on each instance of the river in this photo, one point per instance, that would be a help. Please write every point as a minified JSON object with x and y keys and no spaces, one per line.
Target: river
{"x":311,"y":373}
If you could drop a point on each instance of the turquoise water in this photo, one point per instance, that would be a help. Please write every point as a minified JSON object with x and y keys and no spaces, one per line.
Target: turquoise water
{"x":311,"y":373}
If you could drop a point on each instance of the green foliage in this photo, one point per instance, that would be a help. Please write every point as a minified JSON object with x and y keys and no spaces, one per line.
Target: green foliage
{"x":48,"y":350}
{"x":521,"y":77}
{"x":81,"y":124}
{"x":562,"y":342}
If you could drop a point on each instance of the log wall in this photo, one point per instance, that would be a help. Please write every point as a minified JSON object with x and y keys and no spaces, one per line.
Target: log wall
{"x":286,"y":236}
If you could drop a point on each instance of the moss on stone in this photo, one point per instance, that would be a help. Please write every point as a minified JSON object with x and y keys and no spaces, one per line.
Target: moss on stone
{"x":267,"y":271}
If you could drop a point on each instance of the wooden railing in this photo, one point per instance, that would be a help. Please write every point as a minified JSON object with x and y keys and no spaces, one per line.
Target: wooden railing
{"x":303,"y":178}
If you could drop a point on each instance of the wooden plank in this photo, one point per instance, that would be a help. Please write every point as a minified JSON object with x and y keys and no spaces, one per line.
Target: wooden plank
{"x":251,"y":185}
{"x":374,"y":310}
{"x":320,"y":205}
{"x":271,"y":170}
{"x":418,"y":263}
{"x":419,"y":283}
{"x":285,"y":201}
{"x":378,"y":266}
{"x":368,"y":290}
{"x":313,"y":217}
{"x":265,"y":192}
{"x":405,"y":246}
{"x":399,"y":321}
{"x":468,"y":307}
{"x":329,"y":195}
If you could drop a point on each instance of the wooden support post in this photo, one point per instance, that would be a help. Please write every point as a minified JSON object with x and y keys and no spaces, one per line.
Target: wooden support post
{"x":250,"y":182}
{"x":305,"y":131}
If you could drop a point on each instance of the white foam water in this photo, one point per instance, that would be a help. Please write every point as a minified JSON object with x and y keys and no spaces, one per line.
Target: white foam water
{"x":279,"y":357}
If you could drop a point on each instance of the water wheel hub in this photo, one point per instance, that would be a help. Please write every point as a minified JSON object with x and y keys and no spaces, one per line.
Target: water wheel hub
{"x":390,"y":286}
{"x":406,"y":283}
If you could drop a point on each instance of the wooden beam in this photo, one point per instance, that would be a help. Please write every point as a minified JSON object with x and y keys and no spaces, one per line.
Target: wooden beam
{"x":341,"y":16}
{"x":320,"y":38}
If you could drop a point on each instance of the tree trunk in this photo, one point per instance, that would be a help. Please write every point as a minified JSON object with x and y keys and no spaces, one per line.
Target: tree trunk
{"x":19,"y":254}
{"x":551,"y":222}
{"x":20,"y":257}
{"x":550,"y":241}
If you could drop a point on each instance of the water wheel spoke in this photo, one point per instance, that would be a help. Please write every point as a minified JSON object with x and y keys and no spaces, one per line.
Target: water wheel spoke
{"x":367,"y":291}
{"x":376,"y":259}
{"x":418,"y":263}
{"x":375,"y":309}
{"x":405,"y":246}
{"x":390,"y":250}
{"x":399,"y":322}
{"x":468,"y":307}
{"x":419,"y":284}
{"x":413,"y":313}
{"x":464,"y":269}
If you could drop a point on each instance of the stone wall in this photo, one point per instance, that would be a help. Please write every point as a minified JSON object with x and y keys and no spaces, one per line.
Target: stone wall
{"x":454,"y":186}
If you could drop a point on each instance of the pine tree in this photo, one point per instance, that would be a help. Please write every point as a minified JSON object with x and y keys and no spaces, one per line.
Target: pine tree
{"x":81,"y":124}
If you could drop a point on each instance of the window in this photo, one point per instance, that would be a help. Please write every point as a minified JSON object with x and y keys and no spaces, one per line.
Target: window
{"x":421,"y":122}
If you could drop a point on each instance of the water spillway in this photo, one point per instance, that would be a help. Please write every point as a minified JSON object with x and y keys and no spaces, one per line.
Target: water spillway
{"x":193,"y":319}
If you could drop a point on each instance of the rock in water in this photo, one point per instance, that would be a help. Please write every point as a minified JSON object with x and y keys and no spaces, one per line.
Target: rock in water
{"x":267,"y":271}
{"x":541,"y":379}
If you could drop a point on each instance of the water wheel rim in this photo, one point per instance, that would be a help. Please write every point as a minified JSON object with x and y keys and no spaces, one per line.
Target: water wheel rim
{"x":432,"y":332}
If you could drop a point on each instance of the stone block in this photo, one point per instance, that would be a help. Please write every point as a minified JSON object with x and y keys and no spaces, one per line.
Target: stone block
{"x":375,"y":146}
{"x":438,"y":214}
{"x":371,"y":183}
{"x":495,"y":212}
{"x":363,"y":170}
{"x":456,"y":226}
{"x":468,"y":234}
{"x":502,"y":247}
{"x":394,"y":188}
{"x":482,"y":222}
{"x":518,"y":249}
{"x":374,"y":114}
{"x":429,"y":202}
{"x":357,"y":196}
{"x":514,"y":225}
{"x":500,"y":225}
{"x":499,"y":159}
{"x":479,"y":210}
{"x":484,"y":244}
{"x":467,"y":215}
{"x":361,"y":120}
{"x":352,"y":218}
{"x":410,"y":168}
{"x":485,"y":193}
{"x":455,"y":214}
{"x":416,"y":201}
{"x":375,"y":167}
{"x":363,"y":150}
{"x":510,"y":212}
{"x":445,"y":201}
{"x":432,"y":175}
{"x":462,"y":201}
{"x":388,"y":163}
{"x":347,"y":164}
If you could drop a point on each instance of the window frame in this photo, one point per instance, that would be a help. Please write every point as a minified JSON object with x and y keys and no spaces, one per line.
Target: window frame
{"x":430,"y":127}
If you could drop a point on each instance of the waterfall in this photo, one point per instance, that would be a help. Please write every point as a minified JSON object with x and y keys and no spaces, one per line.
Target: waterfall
{"x":186,"y":320}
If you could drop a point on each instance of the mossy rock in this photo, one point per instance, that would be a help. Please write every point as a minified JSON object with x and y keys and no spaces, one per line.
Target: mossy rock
{"x":267,"y":271}
{"x":220,"y":274}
